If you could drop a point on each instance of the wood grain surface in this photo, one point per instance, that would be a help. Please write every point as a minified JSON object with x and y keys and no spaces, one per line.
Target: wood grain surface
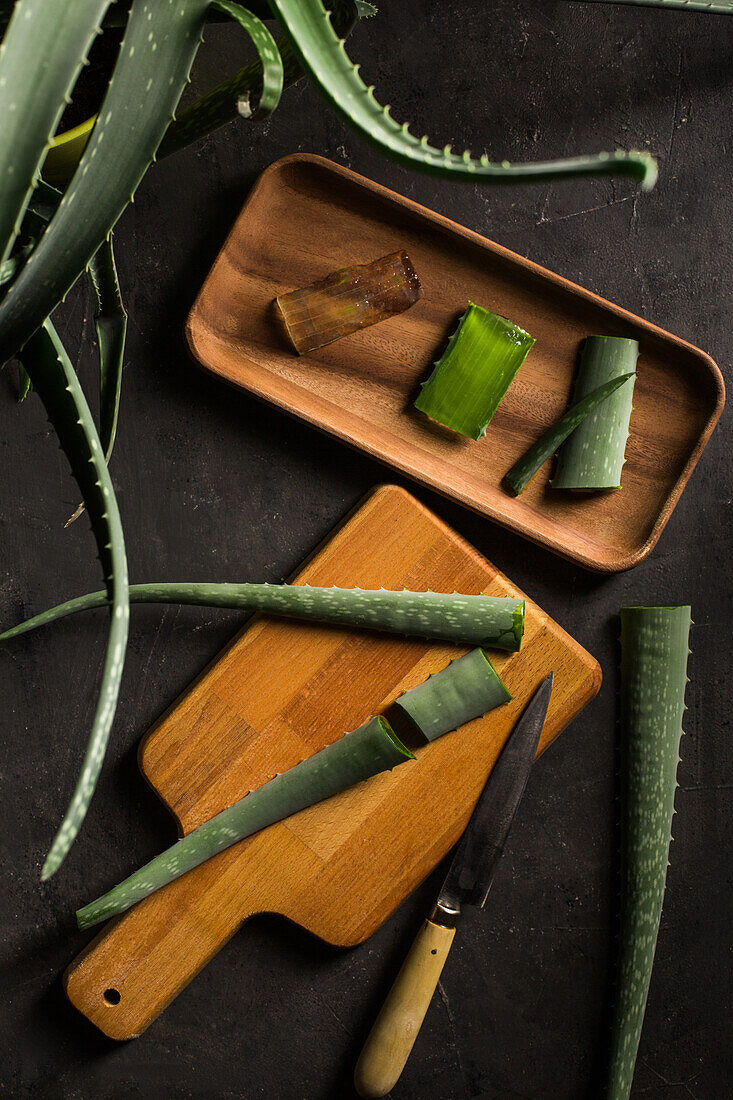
{"x":282,"y":691}
{"x":306,"y":217}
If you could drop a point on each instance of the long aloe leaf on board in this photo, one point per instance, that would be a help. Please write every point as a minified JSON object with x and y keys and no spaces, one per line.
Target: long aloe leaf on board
{"x":322,"y":55}
{"x":155,"y":57}
{"x":465,"y":689}
{"x":55,"y":382}
{"x":368,"y":750}
{"x":593,"y":456}
{"x":220,"y":105}
{"x":524,"y":469}
{"x":496,"y":622}
{"x":654,"y":650}
{"x":41,"y":55}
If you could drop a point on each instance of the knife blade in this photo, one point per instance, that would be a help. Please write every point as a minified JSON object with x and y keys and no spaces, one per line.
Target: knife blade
{"x":467,"y":882}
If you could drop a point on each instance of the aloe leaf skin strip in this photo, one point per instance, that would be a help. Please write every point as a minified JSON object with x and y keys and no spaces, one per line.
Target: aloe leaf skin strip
{"x":522,"y":472}
{"x":465,"y":689}
{"x":496,"y":622}
{"x":357,"y":756}
{"x":593,"y":456}
{"x":474,"y":372}
{"x":654,"y":650}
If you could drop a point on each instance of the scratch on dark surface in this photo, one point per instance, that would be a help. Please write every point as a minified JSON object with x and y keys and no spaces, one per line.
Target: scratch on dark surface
{"x":676,"y":110}
{"x":576,"y":213}
{"x":666,"y":1082}
{"x":454,"y":1035}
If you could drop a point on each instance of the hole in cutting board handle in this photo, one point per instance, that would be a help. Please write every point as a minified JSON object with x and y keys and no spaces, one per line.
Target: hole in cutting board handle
{"x":111,"y":996}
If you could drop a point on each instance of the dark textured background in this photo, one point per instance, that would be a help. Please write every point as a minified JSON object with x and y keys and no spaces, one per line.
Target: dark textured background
{"x":213,"y":485}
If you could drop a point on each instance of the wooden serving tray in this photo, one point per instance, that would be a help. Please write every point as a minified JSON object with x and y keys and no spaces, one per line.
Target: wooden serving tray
{"x":280,"y":692}
{"x":306,"y":217}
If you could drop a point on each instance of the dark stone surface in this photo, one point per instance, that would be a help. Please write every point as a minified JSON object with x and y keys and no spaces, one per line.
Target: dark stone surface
{"x":212,"y":484}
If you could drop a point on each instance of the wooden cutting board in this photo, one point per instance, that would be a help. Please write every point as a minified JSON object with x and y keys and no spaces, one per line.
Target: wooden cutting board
{"x":280,"y":692}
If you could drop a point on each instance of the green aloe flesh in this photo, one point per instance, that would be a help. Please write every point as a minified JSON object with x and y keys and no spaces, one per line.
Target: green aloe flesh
{"x":654,"y":650}
{"x":465,"y":689}
{"x":522,"y":472}
{"x":57,"y":385}
{"x":357,"y":756}
{"x":322,"y":55}
{"x":496,"y":622}
{"x":593,"y":456}
{"x":474,"y":372}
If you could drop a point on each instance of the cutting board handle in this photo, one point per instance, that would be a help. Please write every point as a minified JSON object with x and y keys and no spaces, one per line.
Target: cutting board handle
{"x":142,"y":960}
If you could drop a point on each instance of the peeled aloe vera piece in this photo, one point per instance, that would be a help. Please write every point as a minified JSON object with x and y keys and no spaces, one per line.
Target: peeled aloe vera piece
{"x":493,"y":621}
{"x":593,"y":456}
{"x":522,"y":472}
{"x":654,"y":649}
{"x":370,"y":749}
{"x":465,"y":689}
{"x":474,"y":372}
{"x":348,"y":300}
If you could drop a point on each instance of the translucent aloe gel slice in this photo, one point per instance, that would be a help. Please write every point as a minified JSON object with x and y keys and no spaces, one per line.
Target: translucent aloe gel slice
{"x":593,"y":456}
{"x":474,"y":372}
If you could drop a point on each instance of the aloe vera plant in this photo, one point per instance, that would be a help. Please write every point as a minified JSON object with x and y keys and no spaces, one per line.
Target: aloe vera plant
{"x":493,"y":621}
{"x":654,"y":650}
{"x":44,"y":47}
{"x":372,"y":748}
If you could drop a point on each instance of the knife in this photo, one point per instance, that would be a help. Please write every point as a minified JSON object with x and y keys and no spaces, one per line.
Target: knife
{"x":468,"y":882}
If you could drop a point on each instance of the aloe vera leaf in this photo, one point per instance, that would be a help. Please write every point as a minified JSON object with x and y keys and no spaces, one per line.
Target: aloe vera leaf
{"x":357,"y":756}
{"x":41,"y":55}
{"x":474,"y":372}
{"x":220,"y":105}
{"x":57,"y":385}
{"x":496,"y":622}
{"x":465,"y":689}
{"x":322,"y":55}
{"x":593,"y":456}
{"x":110,"y":321}
{"x":65,"y":152}
{"x":522,"y":472}
{"x":152,"y":67}
{"x":24,"y":384}
{"x":654,"y":650}
{"x":268,"y":94}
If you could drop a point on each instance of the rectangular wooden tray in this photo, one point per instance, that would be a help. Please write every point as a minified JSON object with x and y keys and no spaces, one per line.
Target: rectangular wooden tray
{"x":306,"y":216}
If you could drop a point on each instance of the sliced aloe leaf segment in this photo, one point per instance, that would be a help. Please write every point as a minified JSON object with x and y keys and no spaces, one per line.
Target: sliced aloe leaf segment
{"x":522,"y":472}
{"x":465,"y":689}
{"x":592,"y":457}
{"x":357,"y":756}
{"x":474,"y":372}
{"x":493,"y":621}
{"x":654,"y":651}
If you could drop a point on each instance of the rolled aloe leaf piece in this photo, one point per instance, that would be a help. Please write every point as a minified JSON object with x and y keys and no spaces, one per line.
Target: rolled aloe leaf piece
{"x":654,"y":649}
{"x":465,"y":689}
{"x":474,"y":372}
{"x":348,"y":300}
{"x":357,"y":756}
{"x":493,"y":621}
{"x":593,"y":456}
{"x":522,"y":472}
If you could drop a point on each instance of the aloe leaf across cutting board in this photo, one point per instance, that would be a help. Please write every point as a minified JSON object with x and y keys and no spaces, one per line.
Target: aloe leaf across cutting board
{"x":464,"y":690}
